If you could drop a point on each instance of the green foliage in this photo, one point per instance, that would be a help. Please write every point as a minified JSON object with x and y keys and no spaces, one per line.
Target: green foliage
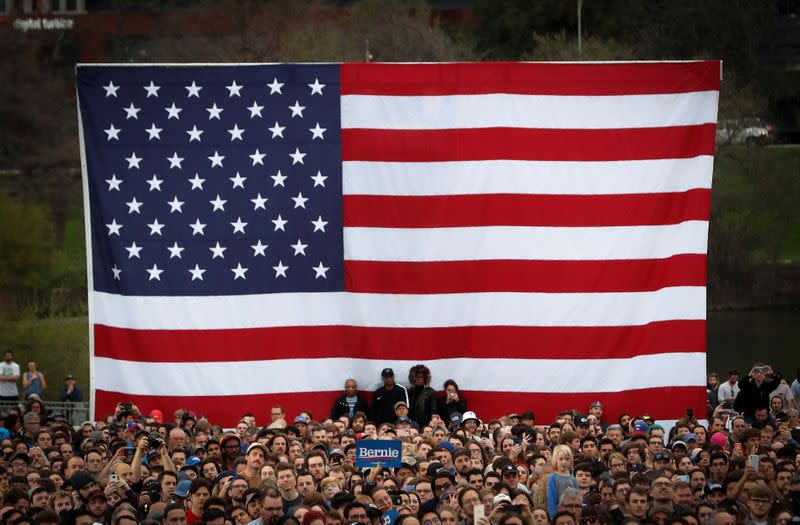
{"x":24,"y":247}
{"x":559,"y":46}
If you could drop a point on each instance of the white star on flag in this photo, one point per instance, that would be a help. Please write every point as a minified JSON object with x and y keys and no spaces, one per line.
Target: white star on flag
{"x":154,"y":132}
{"x":197,"y":272}
{"x":236,"y":132}
{"x":132,"y":112}
{"x":319,"y":224}
{"x":133,"y":250}
{"x":173,"y":112}
{"x":319,"y":179}
{"x":194,"y":134}
{"x":111,"y":89}
{"x":258,"y":157}
{"x":214,"y":111}
{"x":255,"y":110}
{"x":216,"y":159}
{"x":133,"y":206}
{"x":238,"y":180}
{"x":113,"y":228}
{"x":218,"y":204}
{"x":239,"y":271}
{"x":297,"y":109}
{"x":197,"y":227}
{"x":218,"y":251}
{"x":175,"y":161}
{"x":280,"y":222}
{"x":133,"y":160}
{"x":197,"y":182}
{"x":316,"y":87}
{"x":258,"y":248}
{"x":320,"y":271}
{"x":155,"y":273}
{"x":112,"y":132}
{"x":317,"y":132}
{"x":234,"y":89}
{"x":175,"y":250}
{"x":299,"y":247}
{"x":175,"y":205}
{"x":194,"y":90}
{"x":278,"y":178}
{"x":297,"y":156}
{"x":277,"y":130}
{"x":155,"y":227}
{"x":117,"y":272}
{"x":300,"y":201}
{"x":280,"y":270}
{"x":259,"y":202}
{"x":275,"y":87}
{"x":113,"y":182}
{"x":238,"y":226}
{"x":152,"y":90}
{"x":155,"y":183}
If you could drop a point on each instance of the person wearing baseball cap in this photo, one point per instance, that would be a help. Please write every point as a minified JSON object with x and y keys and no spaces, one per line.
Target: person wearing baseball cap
{"x":256,"y":456}
{"x":386,"y":397}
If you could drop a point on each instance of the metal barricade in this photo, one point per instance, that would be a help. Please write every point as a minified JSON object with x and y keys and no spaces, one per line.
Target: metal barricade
{"x":74,"y":412}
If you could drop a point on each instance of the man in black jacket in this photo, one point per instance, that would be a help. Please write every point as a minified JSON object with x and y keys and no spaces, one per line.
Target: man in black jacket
{"x":754,"y":390}
{"x":385,"y":398}
{"x":349,"y":403}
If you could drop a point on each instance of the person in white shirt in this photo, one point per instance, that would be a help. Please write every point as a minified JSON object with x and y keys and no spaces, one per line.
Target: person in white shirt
{"x":9,"y":374}
{"x":728,"y":390}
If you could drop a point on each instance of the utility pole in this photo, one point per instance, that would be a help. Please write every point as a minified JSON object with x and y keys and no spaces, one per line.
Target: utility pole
{"x":580,"y":6}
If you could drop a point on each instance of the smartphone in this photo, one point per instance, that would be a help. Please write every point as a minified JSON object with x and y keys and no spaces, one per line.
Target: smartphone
{"x":728,"y":405}
{"x":478,"y":513}
{"x":112,"y":477}
{"x":684,"y":478}
{"x":754,"y":462}
{"x":737,"y":448}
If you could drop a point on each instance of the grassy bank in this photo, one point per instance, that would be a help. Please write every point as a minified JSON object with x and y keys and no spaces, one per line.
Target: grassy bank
{"x":60,"y":346}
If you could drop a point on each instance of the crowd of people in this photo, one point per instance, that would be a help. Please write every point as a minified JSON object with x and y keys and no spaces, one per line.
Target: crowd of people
{"x":587,"y":467}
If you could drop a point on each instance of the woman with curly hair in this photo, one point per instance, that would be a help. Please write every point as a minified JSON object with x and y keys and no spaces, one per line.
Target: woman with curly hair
{"x":421,"y":396}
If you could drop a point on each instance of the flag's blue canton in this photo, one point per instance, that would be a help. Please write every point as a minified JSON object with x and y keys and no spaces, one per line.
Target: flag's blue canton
{"x":214,"y":180}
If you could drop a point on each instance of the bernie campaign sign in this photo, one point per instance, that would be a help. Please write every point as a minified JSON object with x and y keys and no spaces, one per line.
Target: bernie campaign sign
{"x":371,"y":453}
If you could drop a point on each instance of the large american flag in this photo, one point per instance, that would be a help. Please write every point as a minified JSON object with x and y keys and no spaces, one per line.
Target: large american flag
{"x":536,"y":231}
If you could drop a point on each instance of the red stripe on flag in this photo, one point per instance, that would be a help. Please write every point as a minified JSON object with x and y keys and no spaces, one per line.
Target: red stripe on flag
{"x":442,"y":145}
{"x":525,"y":276}
{"x":414,"y":344}
{"x":667,"y":403}
{"x":442,"y":211}
{"x":524,"y":79}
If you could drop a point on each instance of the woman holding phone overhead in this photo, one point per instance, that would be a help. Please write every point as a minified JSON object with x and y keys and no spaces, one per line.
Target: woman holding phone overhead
{"x":451,"y":402}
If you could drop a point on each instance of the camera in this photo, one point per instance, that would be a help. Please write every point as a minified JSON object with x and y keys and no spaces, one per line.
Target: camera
{"x":155,"y":440}
{"x":125,"y":409}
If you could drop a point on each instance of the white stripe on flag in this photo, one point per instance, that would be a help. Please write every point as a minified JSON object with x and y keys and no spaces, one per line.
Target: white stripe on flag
{"x":525,"y":243}
{"x":528,"y":111}
{"x":399,"y":310}
{"x":309,"y":375}
{"x":526,"y":177}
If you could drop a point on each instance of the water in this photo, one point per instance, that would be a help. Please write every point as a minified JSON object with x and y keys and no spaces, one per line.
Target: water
{"x":738,"y":339}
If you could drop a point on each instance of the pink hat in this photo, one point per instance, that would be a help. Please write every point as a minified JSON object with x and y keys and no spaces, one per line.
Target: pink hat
{"x":719,"y":439}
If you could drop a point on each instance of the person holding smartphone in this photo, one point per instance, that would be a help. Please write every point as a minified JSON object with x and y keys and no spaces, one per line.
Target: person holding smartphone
{"x":451,"y":402}
{"x":754,"y":390}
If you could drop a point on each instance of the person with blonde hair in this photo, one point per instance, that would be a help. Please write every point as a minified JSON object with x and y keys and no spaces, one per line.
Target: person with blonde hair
{"x":562,"y":478}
